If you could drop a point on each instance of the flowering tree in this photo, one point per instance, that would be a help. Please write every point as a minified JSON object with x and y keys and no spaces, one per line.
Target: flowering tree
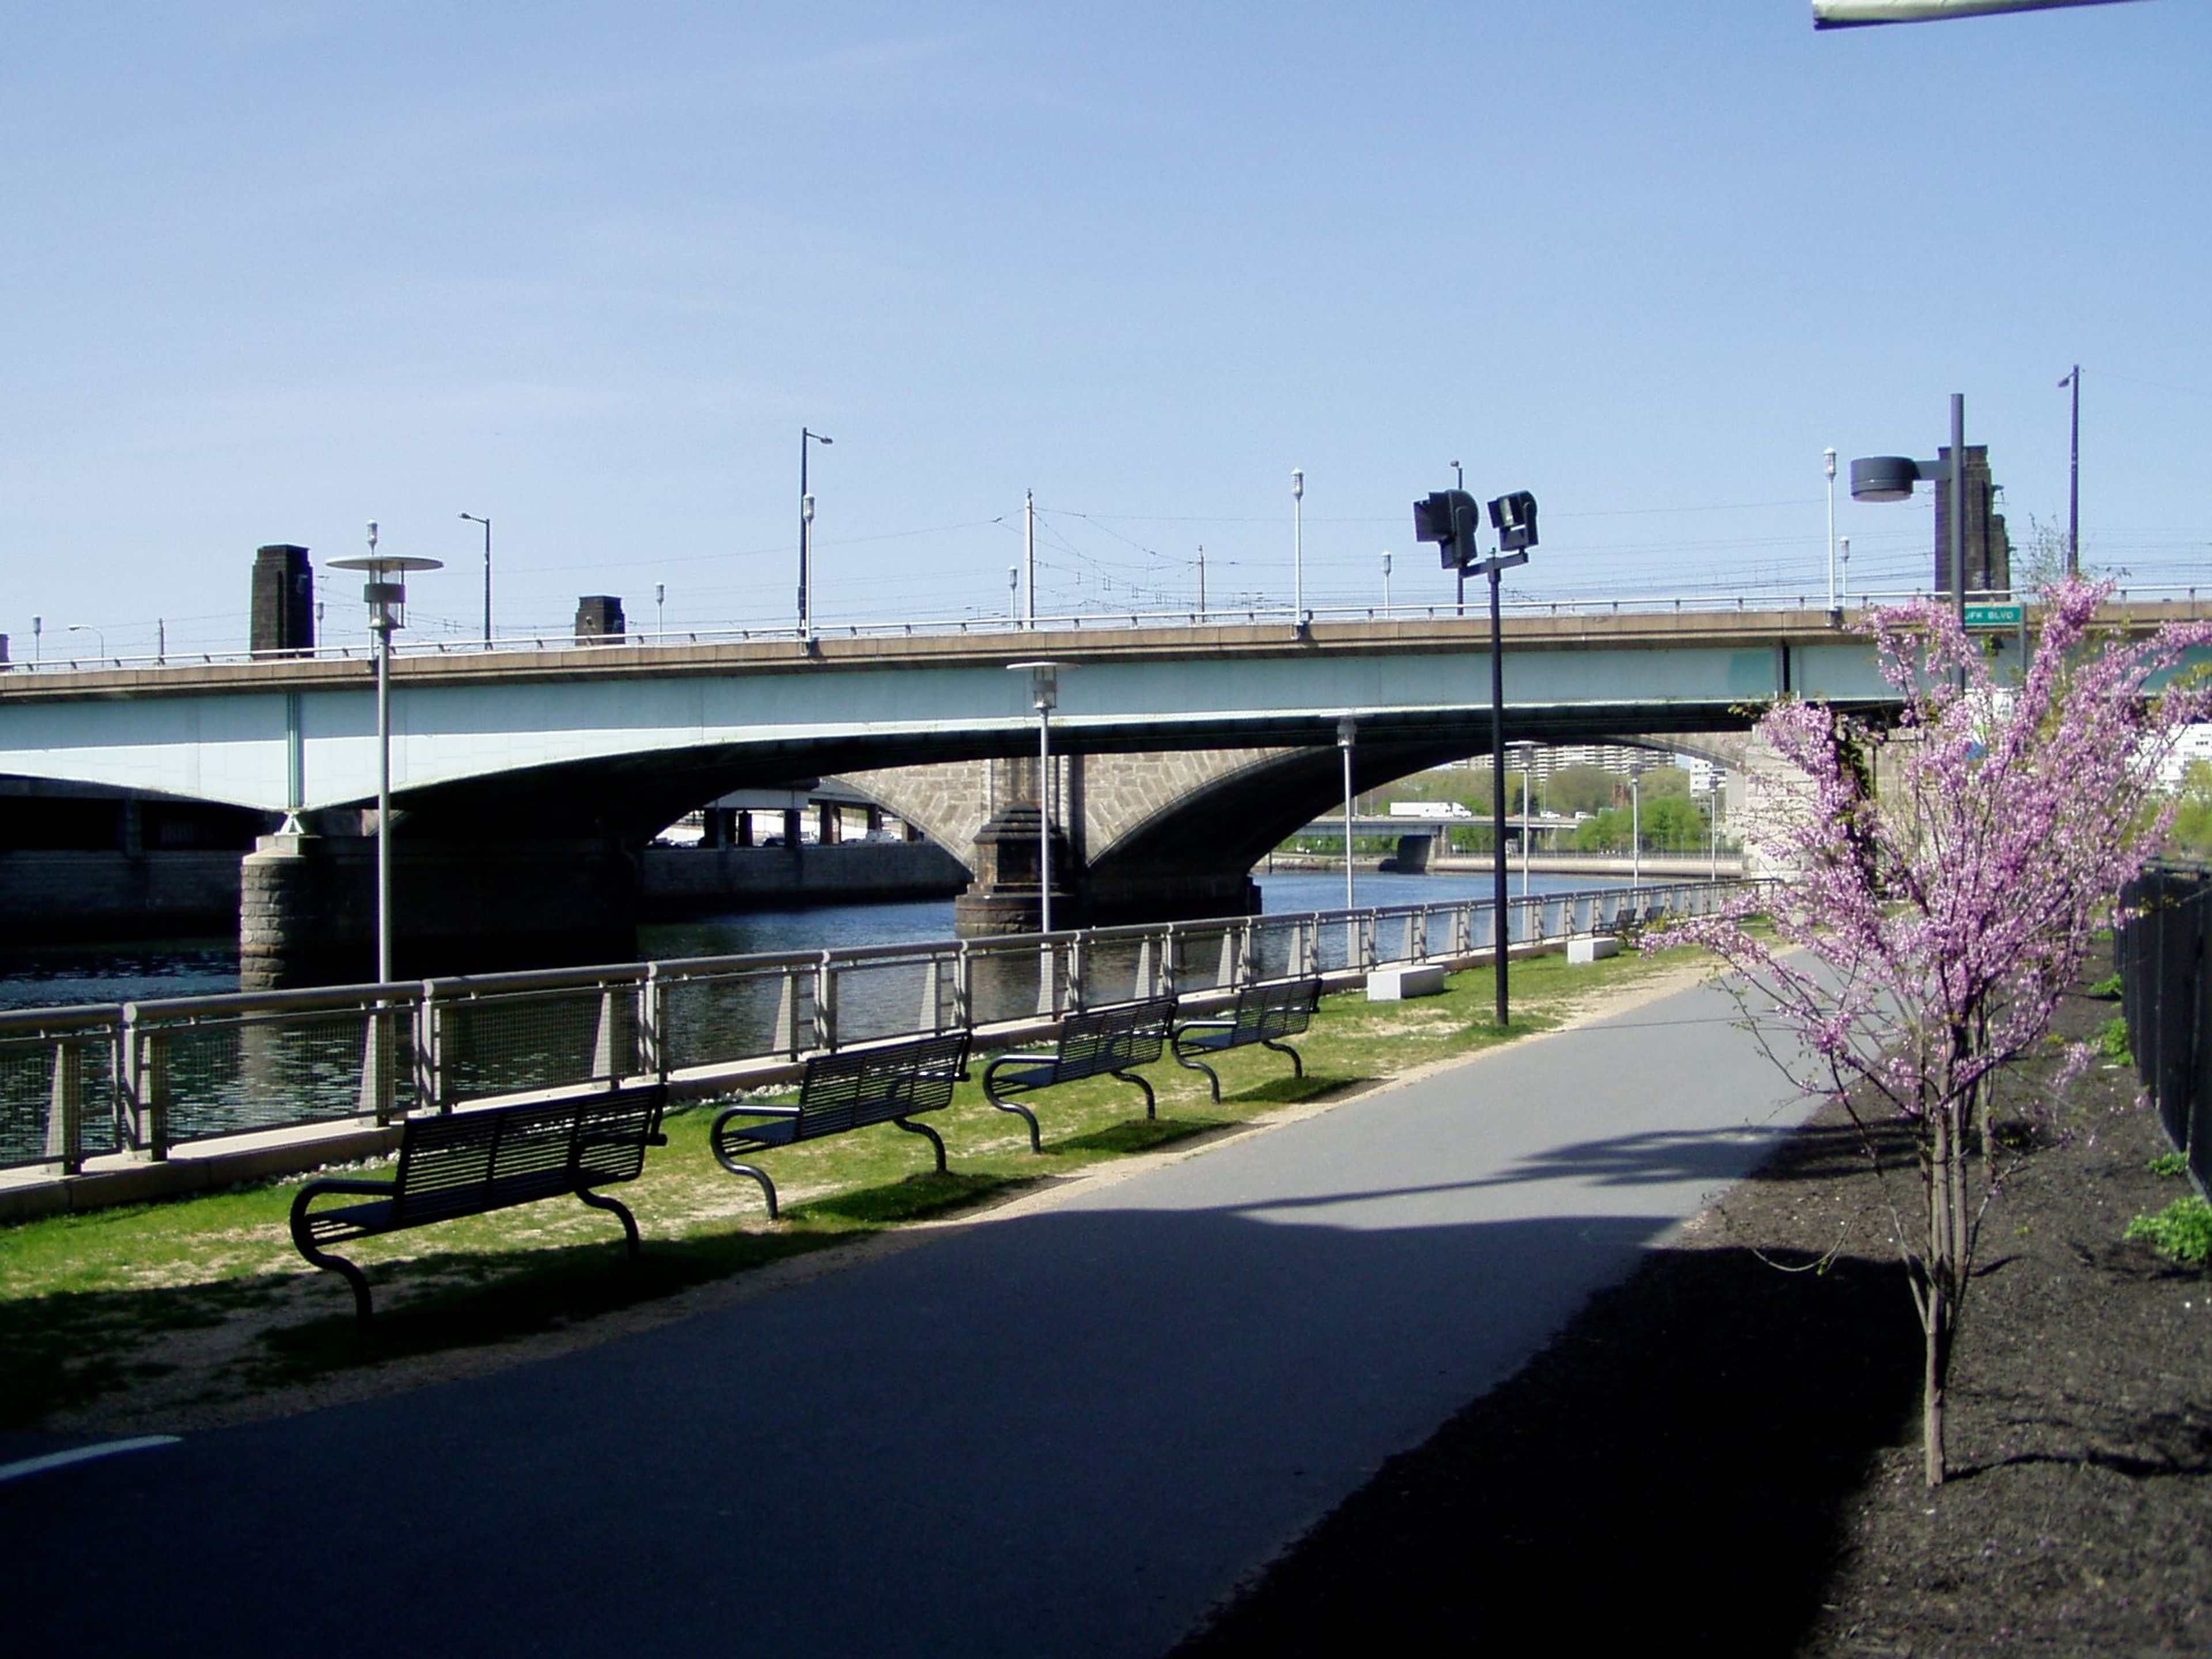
{"x":1932,"y":925}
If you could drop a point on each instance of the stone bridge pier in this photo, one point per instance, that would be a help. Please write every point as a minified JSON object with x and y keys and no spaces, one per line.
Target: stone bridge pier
{"x":307,"y":904}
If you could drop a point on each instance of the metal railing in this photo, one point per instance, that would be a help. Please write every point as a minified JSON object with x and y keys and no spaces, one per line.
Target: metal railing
{"x":2160,"y":948}
{"x":986,"y":625}
{"x":142,"y":1078}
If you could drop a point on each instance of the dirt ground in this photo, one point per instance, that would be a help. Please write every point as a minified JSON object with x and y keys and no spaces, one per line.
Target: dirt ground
{"x":1721,"y":1457}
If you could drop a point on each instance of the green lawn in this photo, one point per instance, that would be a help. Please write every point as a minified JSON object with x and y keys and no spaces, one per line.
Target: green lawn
{"x":209,"y":1290}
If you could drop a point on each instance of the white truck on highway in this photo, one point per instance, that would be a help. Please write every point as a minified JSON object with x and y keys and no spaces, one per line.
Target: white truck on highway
{"x":1428,"y":809}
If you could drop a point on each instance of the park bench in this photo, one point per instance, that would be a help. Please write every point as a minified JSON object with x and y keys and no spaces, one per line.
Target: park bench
{"x":1264,"y":1014}
{"x":887,"y":1083}
{"x":469,"y":1163}
{"x":1097,"y":1043}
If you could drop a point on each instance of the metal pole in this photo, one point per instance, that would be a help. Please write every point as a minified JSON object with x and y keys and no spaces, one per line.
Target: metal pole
{"x":1829,"y":456}
{"x":1298,"y":546}
{"x":1386,"y":581}
{"x":1459,"y":482}
{"x":1029,"y":556}
{"x":805,"y":624}
{"x":1635,"y":831}
{"x":382,"y":623}
{"x":1528,"y":781}
{"x":1201,"y":581}
{"x":1044,"y":816}
{"x":2073,"y":484}
{"x":1344,"y":740}
{"x":1958,"y":519}
{"x":1499,"y":924}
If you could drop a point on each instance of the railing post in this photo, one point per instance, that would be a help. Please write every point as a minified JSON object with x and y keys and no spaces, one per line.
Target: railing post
{"x":65,"y":1108}
{"x":825,"y":1003}
{"x":1048,"y":1002}
{"x":932,"y":998}
{"x":602,"y":1036}
{"x":786,"y":1037}
{"x":432,"y":1088}
{"x":379,"y":1060}
{"x":963,"y":987}
{"x":146,"y":1086}
{"x":1169,"y":955}
{"x":652,"y":1024}
{"x":1078,"y":998}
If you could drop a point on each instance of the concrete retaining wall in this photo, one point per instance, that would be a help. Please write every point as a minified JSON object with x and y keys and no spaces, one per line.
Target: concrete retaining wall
{"x":68,"y":896}
{"x":680,"y":881}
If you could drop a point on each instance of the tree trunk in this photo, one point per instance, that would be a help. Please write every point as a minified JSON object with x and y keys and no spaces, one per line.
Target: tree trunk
{"x":1944,"y":1219}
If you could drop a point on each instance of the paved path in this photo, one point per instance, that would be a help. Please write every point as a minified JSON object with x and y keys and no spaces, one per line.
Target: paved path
{"x":1065,"y":1431}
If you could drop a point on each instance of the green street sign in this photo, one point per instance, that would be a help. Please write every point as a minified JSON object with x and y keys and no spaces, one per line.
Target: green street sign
{"x":1995,"y":616}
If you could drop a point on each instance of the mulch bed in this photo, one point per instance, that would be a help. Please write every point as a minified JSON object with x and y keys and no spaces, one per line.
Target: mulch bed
{"x":1721,"y":1457}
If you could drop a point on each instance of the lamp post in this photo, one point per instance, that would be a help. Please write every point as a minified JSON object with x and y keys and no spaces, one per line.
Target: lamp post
{"x":1450,"y":519}
{"x":2074,"y":478}
{"x":1044,"y":697}
{"x":98,"y":639}
{"x":1891,"y":478}
{"x":1828,"y":460}
{"x":1014,"y":594}
{"x":1298,"y":547}
{"x":386,"y":594}
{"x":1635,"y":830}
{"x":1029,"y":554}
{"x":660,"y":610}
{"x":1386,"y":581}
{"x":37,"y":640}
{"x":1527,"y":785}
{"x":806,"y":536}
{"x":486,"y":523}
{"x":1346,"y":733}
{"x":1844,"y":577}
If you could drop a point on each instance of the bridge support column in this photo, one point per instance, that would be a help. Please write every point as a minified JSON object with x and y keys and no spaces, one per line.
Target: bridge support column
{"x":1004,"y":897}
{"x":307,"y":908}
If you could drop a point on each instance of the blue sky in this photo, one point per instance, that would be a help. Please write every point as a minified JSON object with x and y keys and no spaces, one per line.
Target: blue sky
{"x":272,"y":271}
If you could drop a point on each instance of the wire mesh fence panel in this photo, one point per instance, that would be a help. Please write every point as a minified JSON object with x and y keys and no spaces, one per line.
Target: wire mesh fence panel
{"x":1120,"y":969}
{"x":1393,"y":936}
{"x":1281,"y":946}
{"x":48,"y":1079}
{"x":516,"y":1043}
{"x":228,"y":1077}
{"x":1012,"y":981}
{"x":720,"y":1018}
{"x":901,"y":997}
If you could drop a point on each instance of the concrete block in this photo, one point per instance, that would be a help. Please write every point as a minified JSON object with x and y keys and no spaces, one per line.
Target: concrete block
{"x":1596,"y":948}
{"x":1404,"y":980}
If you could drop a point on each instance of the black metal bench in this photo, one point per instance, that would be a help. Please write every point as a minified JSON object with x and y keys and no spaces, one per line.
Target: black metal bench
{"x":889,"y":1083}
{"x":469,"y":1163}
{"x":1264,"y":1014}
{"x":1097,"y":1042}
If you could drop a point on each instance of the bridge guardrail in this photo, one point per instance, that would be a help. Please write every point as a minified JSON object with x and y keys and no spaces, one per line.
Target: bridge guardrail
{"x":1075,"y":622}
{"x":143,"y":1077}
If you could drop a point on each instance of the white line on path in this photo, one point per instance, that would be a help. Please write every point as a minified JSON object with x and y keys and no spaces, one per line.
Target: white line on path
{"x":82,"y":1454}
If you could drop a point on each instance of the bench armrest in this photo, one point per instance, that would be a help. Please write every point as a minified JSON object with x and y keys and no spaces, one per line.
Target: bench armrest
{"x":751,"y":1109}
{"x":1182,"y":1026}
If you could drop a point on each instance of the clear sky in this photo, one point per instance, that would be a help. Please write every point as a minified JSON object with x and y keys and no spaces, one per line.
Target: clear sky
{"x":273,"y":270}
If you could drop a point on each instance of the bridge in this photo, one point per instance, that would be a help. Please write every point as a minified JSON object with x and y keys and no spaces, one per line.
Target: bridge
{"x":525,"y":780}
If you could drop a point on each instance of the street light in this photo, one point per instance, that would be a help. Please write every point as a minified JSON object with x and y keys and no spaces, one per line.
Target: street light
{"x":1044,"y":697}
{"x":486,"y":523}
{"x":1386,"y":581}
{"x":1298,"y":547}
{"x":660,"y":610}
{"x":1828,"y":460}
{"x":1450,"y":519}
{"x":2073,"y":478}
{"x":1891,"y":478}
{"x":386,"y":594}
{"x":1635,"y":830}
{"x":1346,"y":731}
{"x":1014,"y":594}
{"x":806,"y":536}
{"x":98,"y":639}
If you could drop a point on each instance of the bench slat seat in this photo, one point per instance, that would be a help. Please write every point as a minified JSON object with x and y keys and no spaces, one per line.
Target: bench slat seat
{"x":1096,"y":1042}
{"x":473,"y":1162}
{"x":1262,"y":1014}
{"x":853,"y":1089}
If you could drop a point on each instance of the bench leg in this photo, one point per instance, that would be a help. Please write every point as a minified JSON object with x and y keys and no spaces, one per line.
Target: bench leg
{"x":757,"y":1173}
{"x":1021,"y":1112}
{"x":1151,"y":1105}
{"x":1297,"y":1065}
{"x":598,"y":1202}
{"x":353,"y":1276}
{"x":1212,"y":1081}
{"x":929,"y":1134}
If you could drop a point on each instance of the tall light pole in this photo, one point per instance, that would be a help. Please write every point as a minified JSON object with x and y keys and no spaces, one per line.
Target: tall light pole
{"x":1527,"y":786}
{"x":1029,"y":556}
{"x":2073,"y":478}
{"x":37,"y":640}
{"x":486,"y":523}
{"x":1014,"y":594}
{"x":98,"y":639}
{"x":1635,"y":830}
{"x":1386,"y":581}
{"x":1891,"y":478}
{"x":1844,"y":578}
{"x":386,"y":594}
{"x":1044,"y":697}
{"x":806,"y":536}
{"x":660,"y":610}
{"x":1298,"y":547}
{"x":1201,"y":581}
{"x":1828,"y":460}
{"x":1450,"y":519}
{"x":1345,"y":733}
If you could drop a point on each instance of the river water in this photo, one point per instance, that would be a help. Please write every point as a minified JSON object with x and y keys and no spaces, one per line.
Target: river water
{"x":52,"y":976}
